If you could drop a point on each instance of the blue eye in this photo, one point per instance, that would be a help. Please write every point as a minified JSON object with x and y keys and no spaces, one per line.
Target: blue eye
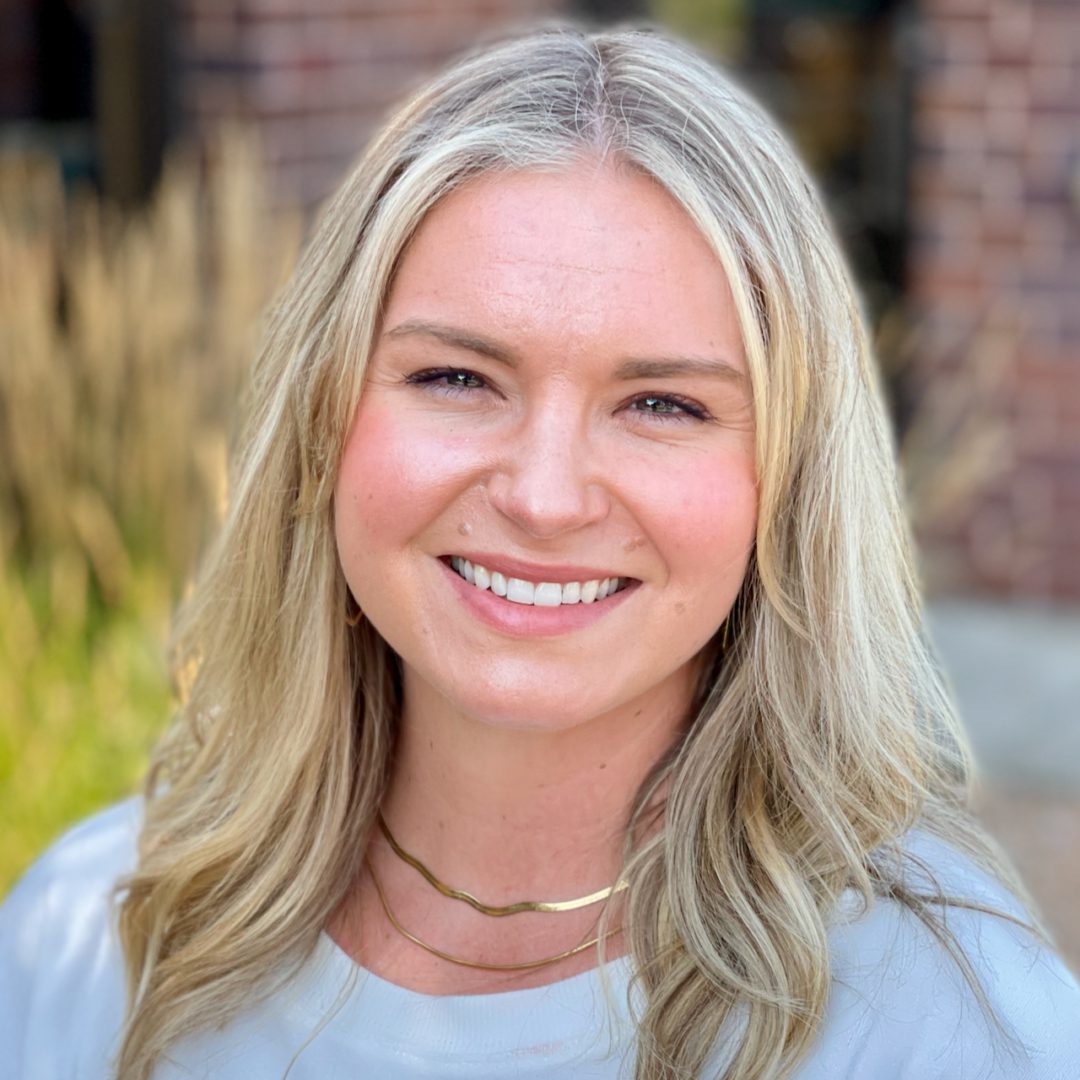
{"x":452,"y":380}
{"x":455,"y":382}
{"x":677,"y":408}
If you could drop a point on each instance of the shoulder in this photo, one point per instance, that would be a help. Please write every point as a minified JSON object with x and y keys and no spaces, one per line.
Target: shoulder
{"x":904,"y":1000}
{"x":73,"y":878}
{"x":58,"y":946}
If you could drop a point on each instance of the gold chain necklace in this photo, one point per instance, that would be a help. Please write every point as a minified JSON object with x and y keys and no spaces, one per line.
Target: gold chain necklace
{"x":546,"y":906}
{"x":526,"y":965}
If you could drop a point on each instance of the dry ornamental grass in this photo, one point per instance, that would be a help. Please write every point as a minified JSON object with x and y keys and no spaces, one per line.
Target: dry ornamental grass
{"x":124,"y":339}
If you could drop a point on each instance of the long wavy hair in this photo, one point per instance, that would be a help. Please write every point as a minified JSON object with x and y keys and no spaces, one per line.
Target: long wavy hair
{"x":822,"y":732}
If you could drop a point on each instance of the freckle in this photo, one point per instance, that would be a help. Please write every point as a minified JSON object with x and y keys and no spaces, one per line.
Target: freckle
{"x":680,"y":607}
{"x":603,"y":764}
{"x":639,"y":712}
{"x":465,"y":529}
{"x":634,"y":543}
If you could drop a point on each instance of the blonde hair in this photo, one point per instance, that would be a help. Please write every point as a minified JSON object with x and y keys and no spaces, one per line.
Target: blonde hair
{"x":822,"y":733}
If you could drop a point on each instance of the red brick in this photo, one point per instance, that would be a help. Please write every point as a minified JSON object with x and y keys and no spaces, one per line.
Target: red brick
{"x":1053,"y":135}
{"x":210,"y":8}
{"x":956,"y":219}
{"x":274,"y":92}
{"x":959,"y":130}
{"x":215,"y":96}
{"x":1005,"y":90}
{"x":1054,"y":85}
{"x":1067,"y":583}
{"x":1006,"y":128}
{"x":1044,"y":255}
{"x":1009,"y":234}
{"x":1003,"y":187}
{"x":963,"y":44}
{"x":940,"y":10}
{"x":1055,"y":39}
{"x":1009,"y":32}
{"x":311,"y":7}
{"x":951,"y":87}
{"x":1033,"y":508}
{"x":996,"y":125}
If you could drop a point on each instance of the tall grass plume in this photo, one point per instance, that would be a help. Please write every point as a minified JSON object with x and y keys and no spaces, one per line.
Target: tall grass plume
{"x":124,"y":339}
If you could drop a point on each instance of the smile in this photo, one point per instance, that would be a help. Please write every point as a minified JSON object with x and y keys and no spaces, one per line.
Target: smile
{"x":536,"y":593}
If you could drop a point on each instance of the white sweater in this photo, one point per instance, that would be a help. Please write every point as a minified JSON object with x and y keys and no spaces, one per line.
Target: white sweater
{"x":899,"y":1009}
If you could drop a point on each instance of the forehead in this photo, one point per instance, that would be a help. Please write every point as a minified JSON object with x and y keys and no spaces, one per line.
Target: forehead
{"x":593,"y":254}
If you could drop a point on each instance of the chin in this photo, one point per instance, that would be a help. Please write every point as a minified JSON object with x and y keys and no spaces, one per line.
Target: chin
{"x":528,"y":704}
{"x":530,"y":711}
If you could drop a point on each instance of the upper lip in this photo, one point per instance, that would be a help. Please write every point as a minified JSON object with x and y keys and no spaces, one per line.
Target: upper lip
{"x":558,"y":574}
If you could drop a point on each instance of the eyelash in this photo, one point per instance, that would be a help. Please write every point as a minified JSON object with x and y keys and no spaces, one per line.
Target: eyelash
{"x":689,"y":410}
{"x":429,"y":376}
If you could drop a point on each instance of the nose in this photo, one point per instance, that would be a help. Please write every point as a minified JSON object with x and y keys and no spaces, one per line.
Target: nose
{"x":547,"y":481}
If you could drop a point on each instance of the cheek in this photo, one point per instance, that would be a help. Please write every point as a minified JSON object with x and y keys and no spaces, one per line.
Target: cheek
{"x":702,"y":517}
{"x":396,"y":475}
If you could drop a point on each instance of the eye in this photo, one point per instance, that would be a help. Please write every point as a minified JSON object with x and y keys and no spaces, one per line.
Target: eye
{"x":669,"y":407}
{"x":447,"y":380}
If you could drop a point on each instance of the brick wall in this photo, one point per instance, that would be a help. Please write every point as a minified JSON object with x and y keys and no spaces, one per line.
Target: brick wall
{"x":316,"y":76}
{"x":995,"y":252}
{"x":995,"y":277}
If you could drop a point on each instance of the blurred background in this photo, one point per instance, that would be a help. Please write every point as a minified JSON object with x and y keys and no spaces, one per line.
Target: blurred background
{"x":160,"y":161}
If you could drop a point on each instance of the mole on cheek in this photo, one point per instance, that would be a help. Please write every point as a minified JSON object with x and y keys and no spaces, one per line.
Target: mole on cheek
{"x":680,"y":607}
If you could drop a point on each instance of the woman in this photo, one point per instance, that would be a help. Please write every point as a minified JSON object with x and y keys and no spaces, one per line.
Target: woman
{"x":563,"y":612}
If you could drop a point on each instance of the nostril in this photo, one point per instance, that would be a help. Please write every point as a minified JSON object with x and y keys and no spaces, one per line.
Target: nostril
{"x":544,"y":506}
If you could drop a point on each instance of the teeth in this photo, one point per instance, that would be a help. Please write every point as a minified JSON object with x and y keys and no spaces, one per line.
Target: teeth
{"x":548,"y":594}
{"x":520,"y":592}
{"x":538,"y":594}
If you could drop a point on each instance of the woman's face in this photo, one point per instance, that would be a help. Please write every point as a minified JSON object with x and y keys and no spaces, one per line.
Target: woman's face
{"x":559,"y":395}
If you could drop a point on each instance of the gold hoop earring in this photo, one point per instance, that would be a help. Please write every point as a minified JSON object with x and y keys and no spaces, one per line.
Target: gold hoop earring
{"x":355,"y":619}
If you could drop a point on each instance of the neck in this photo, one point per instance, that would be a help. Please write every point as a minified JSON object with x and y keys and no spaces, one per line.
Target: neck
{"x":514,"y":814}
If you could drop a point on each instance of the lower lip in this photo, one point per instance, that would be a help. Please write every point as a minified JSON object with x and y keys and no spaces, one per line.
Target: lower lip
{"x":528,"y":620}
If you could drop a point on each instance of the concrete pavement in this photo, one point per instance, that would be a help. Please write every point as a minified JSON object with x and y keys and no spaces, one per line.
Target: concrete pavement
{"x":1015,"y":671}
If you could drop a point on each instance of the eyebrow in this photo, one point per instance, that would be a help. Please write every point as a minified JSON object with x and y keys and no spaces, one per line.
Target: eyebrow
{"x":667,"y":367}
{"x":459,"y":339}
{"x":673,"y":366}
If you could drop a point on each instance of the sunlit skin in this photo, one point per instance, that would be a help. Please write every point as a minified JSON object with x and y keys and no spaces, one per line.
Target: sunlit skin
{"x":558,"y":381}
